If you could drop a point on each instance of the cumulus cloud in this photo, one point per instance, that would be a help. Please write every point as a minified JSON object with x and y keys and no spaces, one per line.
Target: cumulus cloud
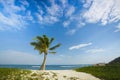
{"x":95,"y":51}
{"x":79,"y":46}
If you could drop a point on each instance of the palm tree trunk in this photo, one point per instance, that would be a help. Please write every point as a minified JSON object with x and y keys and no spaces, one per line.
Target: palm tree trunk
{"x":43,"y":66}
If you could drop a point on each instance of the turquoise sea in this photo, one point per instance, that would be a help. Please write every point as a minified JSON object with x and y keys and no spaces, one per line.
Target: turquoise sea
{"x":48,"y":67}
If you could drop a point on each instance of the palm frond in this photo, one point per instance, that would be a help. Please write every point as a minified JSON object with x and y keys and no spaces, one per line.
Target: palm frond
{"x":51,"y":40}
{"x":52,"y":52}
{"x":54,"y":47}
{"x":42,"y":44}
{"x":40,"y":39}
{"x":46,"y":40}
{"x":34,"y":38}
{"x":33,"y":43}
{"x":40,"y":52}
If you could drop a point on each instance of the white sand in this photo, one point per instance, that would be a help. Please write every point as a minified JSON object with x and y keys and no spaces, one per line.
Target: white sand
{"x":64,"y":75}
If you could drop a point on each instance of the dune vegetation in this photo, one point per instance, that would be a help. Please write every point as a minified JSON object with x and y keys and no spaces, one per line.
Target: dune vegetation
{"x":19,"y":74}
{"x":14,"y":74}
{"x":109,"y":72}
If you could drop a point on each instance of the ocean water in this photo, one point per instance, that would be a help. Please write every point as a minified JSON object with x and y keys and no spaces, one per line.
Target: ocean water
{"x":48,"y":67}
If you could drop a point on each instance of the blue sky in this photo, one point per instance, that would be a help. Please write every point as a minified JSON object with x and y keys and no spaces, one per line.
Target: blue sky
{"x":89,"y":30}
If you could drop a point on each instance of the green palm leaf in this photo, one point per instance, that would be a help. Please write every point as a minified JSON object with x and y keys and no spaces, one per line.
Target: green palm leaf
{"x":52,"y":52}
{"x":42,"y":44}
{"x":40,"y":39}
{"x":54,"y":47}
{"x":51,"y":40}
{"x":33,"y":43}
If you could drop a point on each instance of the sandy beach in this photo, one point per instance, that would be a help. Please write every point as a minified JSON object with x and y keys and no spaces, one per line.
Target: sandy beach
{"x":62,"y":75}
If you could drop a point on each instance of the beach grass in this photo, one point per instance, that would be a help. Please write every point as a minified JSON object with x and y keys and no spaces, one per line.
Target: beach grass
{"x":13,"y":74}
{"x":102,"y":72}
{"x":20,"y":74}
{"x":109,"y":72}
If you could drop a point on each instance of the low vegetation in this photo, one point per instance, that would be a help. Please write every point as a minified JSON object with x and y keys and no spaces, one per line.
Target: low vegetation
{"x":19,"y":74}
{"x":108,"y":72}
{"x":14,"y":74}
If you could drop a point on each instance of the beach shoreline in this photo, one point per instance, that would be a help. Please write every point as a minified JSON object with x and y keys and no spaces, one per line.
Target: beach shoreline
{"x":22,"y":74}
{"x":64,"y":75}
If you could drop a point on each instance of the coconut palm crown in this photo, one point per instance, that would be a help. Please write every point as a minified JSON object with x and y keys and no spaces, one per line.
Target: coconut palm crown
{"x":43,"y":45}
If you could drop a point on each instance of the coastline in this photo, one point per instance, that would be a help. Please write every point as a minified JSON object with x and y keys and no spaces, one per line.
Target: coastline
{"x":21,"y":74}
{"x":48,"y":67}
{"x":63,"y":75}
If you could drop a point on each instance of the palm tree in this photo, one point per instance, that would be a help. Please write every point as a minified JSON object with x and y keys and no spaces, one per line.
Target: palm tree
{"x":42,"y":44}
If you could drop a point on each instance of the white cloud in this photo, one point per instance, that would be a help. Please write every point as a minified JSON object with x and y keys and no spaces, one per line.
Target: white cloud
{"x":103,"y":11}
{"x":80,"y":46}
{"x":70,"y":11}
{"x":78,"y":25}
{"x":10,"y":17}
{"x":51,"y":19}
{"x":118,"y":28}
{"x":11,"y":22}
{"x":92,"y":11}
{"x":95,"y":51}
{"x":54,"y":9}
{"x":63,"y":2}
{"x":97,"y":11}
{"x":54,"y":12}
{"x":87,"y":3}
{"x":24,"y":2}
{"x":66,"y":23}
{"x":71,"y":31}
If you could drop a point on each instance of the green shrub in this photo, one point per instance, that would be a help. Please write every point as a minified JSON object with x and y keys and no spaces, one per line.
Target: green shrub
{"x":103,"y":72}
{"x":13,"y":74}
